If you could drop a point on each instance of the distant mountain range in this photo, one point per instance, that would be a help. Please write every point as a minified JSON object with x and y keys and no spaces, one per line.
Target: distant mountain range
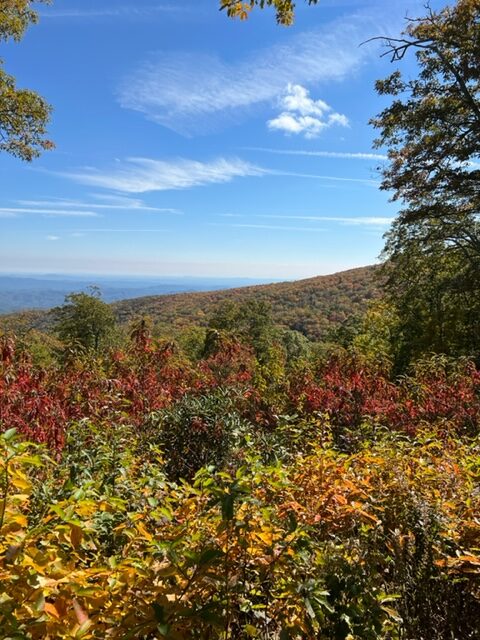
{"x":314,"y":306}
{"x":18,"y":293}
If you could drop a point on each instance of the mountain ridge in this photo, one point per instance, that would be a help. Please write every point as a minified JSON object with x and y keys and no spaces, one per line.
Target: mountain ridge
{"x":313,"y":306}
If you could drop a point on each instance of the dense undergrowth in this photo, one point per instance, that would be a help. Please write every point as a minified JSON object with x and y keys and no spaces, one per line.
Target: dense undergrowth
{"x":147,"y":494}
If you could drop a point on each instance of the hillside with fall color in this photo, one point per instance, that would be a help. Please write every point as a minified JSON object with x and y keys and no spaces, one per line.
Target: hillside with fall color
{"x":314,"y":306}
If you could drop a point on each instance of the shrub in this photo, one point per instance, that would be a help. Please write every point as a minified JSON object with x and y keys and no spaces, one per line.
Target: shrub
{"x":196,"y":431}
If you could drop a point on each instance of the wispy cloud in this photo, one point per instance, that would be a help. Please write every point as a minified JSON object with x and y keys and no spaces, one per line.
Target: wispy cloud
{"x":344,"y":220}
{"x":347,"y":155}
{"x":314,"y":176}
{"x":118,"y":230}
{"x":52,"y":238}
{"x":368,"y":221}
{"x":270,"y":227}
{"x":9,"y":212}
{"x":123,"y":11}
{"x":117,"y":203}
{"x":301,"y":114}
{"x":141,"y":175}
{"x":189,"y":92}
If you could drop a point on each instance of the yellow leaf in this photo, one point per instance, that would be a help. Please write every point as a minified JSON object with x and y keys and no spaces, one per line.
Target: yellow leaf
{"x":266,"y":537}
{"x":144,"y":533}
{"x":20,"y":519}
{"x":21,"y":482}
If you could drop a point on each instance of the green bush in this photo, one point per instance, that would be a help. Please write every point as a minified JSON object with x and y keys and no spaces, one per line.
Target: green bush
{"x":196,"y":431}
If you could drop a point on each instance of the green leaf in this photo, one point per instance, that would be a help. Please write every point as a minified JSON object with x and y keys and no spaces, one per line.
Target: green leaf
{"x":251,"y":630}
{"x":208,"y":556}
{"x":159,"y":612}
{"x":83,"y":628}
{"x":227,"y":506}
{"x":163,"y":629}
{"x":9,"y":435}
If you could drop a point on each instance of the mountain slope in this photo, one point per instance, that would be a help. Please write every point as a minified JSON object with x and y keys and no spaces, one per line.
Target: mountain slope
{"x":313,"y":306}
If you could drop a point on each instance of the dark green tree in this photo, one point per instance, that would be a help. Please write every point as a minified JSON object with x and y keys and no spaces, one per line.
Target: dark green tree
{"x":24,"y":114}
{"x":296,"y":345}
{"x":85,"y":320}
{"x":432,"y":132}
{"x":250,"y":321}
{"x":432,"y":127}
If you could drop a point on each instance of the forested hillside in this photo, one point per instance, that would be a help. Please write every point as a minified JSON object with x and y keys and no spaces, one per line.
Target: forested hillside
{"x":315,"y":307}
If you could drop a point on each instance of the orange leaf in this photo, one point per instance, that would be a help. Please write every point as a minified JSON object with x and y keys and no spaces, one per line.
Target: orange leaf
{"x":51,"y":609}
{"x":76,"y":536}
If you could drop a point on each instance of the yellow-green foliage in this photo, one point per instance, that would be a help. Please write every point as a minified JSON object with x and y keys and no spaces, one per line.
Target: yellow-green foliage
{"x":101,"y":545}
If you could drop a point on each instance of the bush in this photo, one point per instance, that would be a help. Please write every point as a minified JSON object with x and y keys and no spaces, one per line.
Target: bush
{"x":196,"y":431}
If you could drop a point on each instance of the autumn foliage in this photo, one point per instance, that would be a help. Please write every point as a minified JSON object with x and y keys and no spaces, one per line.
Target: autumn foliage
{"x":230,"y":497}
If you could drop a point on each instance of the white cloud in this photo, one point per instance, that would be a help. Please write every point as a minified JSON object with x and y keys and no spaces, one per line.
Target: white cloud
{"x":290,"y":123}
{"x":379,"y":221}
{"x":52,"y":238}
{"x":297,"y":99}
{"x":47,"y":212}
{"x":314,"y":176}
{"x":375,"y":221}
{"x":125,"y":11}
{"x":303,"y":115}
{"x":269,"y":227}
{"x":338,"y":118}
{"x":119,"y":203}
{"x":192,"y":92}
{"x":119,"y":230}
{"x":348,"y":155}
{"x":140,"y":175}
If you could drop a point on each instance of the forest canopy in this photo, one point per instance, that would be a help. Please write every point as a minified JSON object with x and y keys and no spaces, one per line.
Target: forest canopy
{"x":24,"y":115}
{"x":284,"y":9}
{"x":432,"y":132}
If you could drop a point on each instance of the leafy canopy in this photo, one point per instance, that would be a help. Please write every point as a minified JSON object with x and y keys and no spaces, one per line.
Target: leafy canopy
{"x":24,"y":114}
{"x":285,"y":9}
{"x":84,"y":320}
{"x":432,"y":131}
{"x":15,"y":17}
{"x":432,"y":127}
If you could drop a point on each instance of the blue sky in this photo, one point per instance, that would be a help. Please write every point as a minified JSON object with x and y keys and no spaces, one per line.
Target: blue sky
{"x":190,"y":144}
